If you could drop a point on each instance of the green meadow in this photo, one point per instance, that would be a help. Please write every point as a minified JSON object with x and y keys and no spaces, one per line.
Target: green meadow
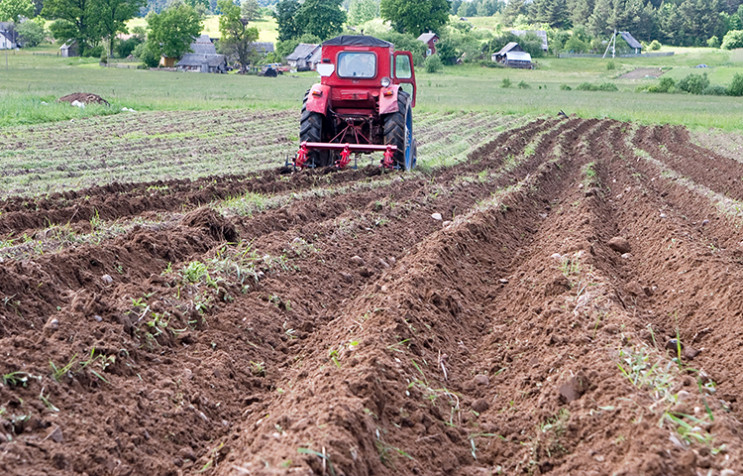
{"x":32,"y":80}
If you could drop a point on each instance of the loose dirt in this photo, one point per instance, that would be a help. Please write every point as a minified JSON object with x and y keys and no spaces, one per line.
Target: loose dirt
{"x":576,"y":310}
{"x":84,"y":98}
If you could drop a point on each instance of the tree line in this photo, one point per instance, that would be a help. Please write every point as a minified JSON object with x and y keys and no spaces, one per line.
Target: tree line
{"x":675,"y":22}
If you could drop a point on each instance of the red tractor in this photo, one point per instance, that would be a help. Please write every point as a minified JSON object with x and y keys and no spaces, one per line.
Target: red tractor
{"x":360,"y":105}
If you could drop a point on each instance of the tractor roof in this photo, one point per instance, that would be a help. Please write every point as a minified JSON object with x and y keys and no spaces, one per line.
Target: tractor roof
{"x":356,"y":40}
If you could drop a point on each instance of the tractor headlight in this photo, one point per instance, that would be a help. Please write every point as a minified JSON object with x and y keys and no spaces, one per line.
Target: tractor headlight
{"x":386,"y":82}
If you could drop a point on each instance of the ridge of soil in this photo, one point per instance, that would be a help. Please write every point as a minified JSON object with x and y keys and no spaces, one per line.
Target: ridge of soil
{"x":477,"y":319}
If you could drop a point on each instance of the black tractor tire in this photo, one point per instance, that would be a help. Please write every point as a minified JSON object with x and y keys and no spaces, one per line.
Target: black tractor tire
{"x":311,"y":130}
{"x":398,"y":130}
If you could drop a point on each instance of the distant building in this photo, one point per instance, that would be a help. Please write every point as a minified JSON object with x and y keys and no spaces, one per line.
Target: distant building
{"x":8,"y":36}
{"x":69,"y":49}
{"x":541,"y":34}
{"x":203,"y":58}
{"x":430,"y":39}
{"x":513,"y":56}
{"x":263,"y":47}
{"x":304,"y":57}
{"x":632,"y":42}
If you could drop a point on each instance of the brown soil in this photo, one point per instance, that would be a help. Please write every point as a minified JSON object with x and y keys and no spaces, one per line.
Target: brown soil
{"x":348,"y":331}
{"x":643,"y":73}
{"x":85,"y":98}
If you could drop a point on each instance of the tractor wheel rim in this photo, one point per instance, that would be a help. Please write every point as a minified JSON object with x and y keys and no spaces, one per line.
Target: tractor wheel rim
{"x":408,"y":141}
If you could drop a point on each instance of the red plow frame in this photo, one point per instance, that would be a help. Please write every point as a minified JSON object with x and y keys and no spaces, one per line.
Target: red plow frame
{"x":346,"y":150}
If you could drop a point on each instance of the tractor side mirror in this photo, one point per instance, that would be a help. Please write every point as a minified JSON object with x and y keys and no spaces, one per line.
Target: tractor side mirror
{"x":325,"y":69}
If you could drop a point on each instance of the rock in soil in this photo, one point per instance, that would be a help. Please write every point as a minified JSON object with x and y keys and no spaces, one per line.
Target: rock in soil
{"x":480,"y":405}
{"x":482,"y":380}
{"x":620,"y":245}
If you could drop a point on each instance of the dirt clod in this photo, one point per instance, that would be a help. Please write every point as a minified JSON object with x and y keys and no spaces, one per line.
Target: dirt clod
{"x":84,"y":98}
{"x":480,"y":405}
{"x":55,"y":435}
{"x":574,"y":388}
{"x":620,"y":244}
{"x":482,"y":379}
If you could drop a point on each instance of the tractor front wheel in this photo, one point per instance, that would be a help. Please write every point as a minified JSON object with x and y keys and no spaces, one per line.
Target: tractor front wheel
{"x":311,"y":130}
{"x":398,"y":131}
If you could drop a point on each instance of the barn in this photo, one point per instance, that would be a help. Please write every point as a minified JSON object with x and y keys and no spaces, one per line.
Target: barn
{"x":203,"y":58}
{"x":69,"y":49}
{"x":8,"y":36}
{"x":513,"y":56}
{"x":304,"y":57}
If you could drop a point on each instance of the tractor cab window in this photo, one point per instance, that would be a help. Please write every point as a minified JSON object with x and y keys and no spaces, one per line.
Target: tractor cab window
{"x":402,"y":67}
{"x":357,"y":65}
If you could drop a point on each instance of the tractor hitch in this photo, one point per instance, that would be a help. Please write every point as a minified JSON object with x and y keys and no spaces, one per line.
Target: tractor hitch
{"x":345,"y":150}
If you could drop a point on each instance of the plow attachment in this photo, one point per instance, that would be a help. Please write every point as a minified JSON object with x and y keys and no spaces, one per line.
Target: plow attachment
{"x":345,"y":152}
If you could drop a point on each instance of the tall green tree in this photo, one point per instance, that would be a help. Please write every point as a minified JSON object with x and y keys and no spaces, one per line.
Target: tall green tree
{"x":322,"y":18}
{"x":360,"y":11}
{"x":237,"y":38}
{"x":285,"y":14}
{"x":249,"y":9}
{"x":415,"y":16}
{"x":598,"y":22}
{"x":13,"y":10}
{"x":171,"y":32}
{"x":78,"y":20}
{"x":514,"y":8}
{"x":113,"y":15}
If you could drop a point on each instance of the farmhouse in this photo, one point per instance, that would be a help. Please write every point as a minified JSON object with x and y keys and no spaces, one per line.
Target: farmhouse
{"x":430,"y":39}
{"x":541,"y":34}
{"x":204,"y":58}
{"x":513,"y":56}
{"x":8,"y":36}
{"x":262,"y":47}
{"x":69,"y":49}
{"x":304,"y":57}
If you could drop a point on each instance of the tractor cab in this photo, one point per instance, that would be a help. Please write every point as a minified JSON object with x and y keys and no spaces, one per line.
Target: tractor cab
{"x":362,"y":104}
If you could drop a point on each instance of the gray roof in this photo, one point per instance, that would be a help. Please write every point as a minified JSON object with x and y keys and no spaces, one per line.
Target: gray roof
{"x":197,"y":59}
{"x":631,"y":41}
{"x":540,"y":33}
{"x":303,"y":51}
{"x":426,"y":37}
{"x":203,"y":46}
{"x":68,"y":44}
{"x":7,"y":26}
{"x":518,"y":56}
{"x":263,"y":46}
{"x":511,"y":46}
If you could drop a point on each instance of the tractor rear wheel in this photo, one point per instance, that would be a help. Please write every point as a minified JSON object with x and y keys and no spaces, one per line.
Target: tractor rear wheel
{"x":398,"y":130}
{"x":311,"y":130}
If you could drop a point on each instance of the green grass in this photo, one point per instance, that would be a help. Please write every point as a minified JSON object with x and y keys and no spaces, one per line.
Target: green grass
{"x":32,"y":78}
{"x":266,"y":27}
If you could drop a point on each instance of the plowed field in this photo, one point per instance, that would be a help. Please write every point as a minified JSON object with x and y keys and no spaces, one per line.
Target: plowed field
{"x":562,"y":298}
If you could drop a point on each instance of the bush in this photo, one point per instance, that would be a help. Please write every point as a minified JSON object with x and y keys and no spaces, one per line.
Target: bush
{"x":665,"y":85}
{"x":104,"y":57}
{"x":433,"y":64}
{"x":147,"y":55}
{"x":31,"y":33}
{"x":523,"y":85}
{"x":715,"y":90}
{"x":733,"y":39}
{"x":597,"y":87}
{"x":126,"y":47}
{"x":655,"y":45}
{"x":575,"y":45}
{"x":94,"y":52}
{"x":565,"y":87}
{"x":694,"y":83}
{"x":611,"y":66}
{"x":506,"y":83}
{"x":713,"y":42}
{"x":736,"y":87}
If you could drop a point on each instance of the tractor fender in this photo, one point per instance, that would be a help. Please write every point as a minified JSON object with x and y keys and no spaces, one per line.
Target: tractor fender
{"x":317,"y":98}
{"x":388,"y":99}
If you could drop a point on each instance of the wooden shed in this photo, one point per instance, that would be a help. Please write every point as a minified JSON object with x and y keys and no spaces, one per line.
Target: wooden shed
{"x":69,"y":49}
{"x":304,"y":57}
{"x":513,"y":56}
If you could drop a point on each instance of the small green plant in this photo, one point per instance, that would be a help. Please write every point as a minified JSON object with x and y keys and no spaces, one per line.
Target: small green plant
{"x":59,"y":372}
{"x":506,"y":83}
{"x":523,"y":85}
{"x":611,"y":66}
{"x":13,"y":379}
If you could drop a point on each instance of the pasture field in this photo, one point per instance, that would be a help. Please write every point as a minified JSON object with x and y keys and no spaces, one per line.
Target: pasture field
{"x":33,"y":79}
{"x":543,"y":294}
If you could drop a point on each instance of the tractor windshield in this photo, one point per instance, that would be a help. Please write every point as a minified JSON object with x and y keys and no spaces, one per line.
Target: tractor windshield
{"x":357,"y":65}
